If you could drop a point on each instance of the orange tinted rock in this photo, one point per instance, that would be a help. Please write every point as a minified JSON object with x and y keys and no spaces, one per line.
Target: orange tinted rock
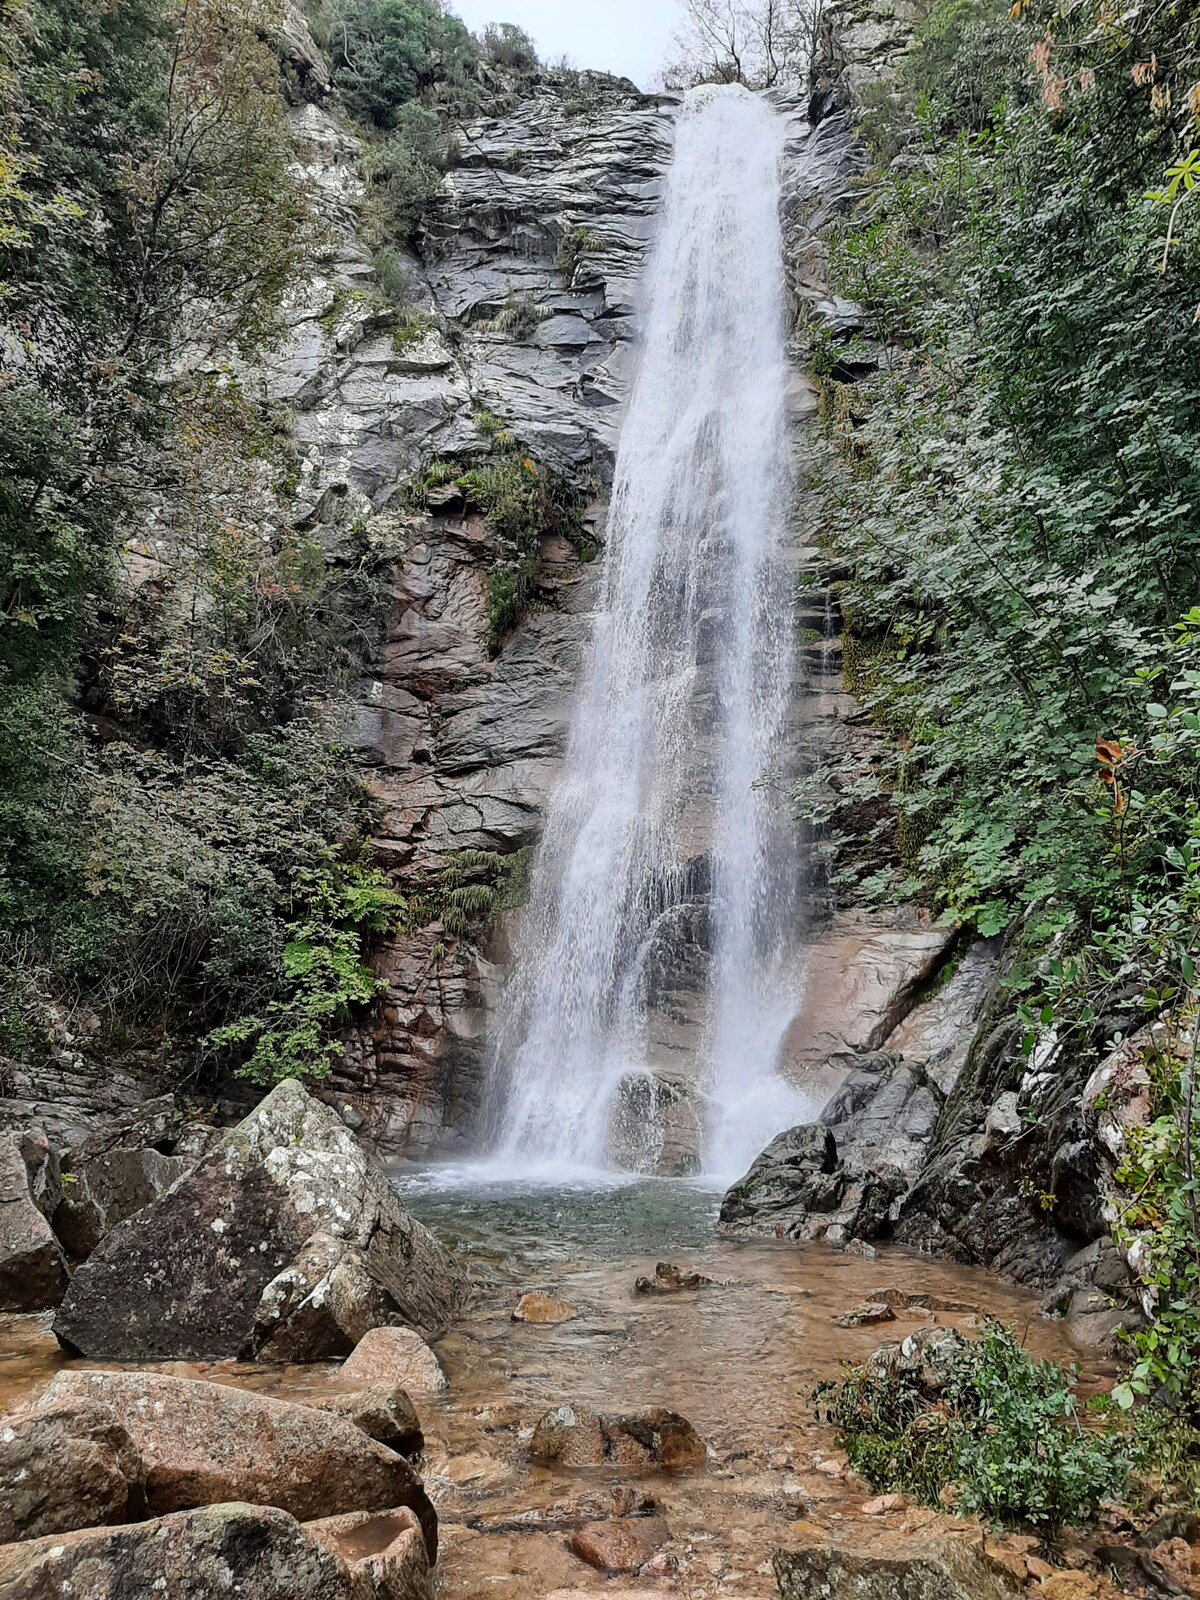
{"x":542,"y":1308}
{"x":621,"y":1546}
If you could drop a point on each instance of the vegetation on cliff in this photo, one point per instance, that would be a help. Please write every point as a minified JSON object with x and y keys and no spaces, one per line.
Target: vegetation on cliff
{"x":182,"y":833}
{"x":1013,"y":485}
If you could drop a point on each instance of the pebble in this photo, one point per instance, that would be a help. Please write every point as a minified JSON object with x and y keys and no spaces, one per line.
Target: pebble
{"x":542,"y":1308}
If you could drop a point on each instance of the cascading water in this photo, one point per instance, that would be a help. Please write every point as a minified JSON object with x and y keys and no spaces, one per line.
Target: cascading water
{"x":665,"y":794}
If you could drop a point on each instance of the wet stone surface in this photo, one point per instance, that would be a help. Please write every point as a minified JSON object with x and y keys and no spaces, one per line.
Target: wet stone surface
{"x":738,"y":1361}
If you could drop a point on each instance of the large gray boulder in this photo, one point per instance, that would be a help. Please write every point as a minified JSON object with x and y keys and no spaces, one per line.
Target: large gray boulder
{"x":286,"y":1242}
{"x":843,"y":1176}
{"x":33,"y":1270}
{"x":66,"y":1465}
{"x":204,"y":1443}
{"x":252,"y":1551}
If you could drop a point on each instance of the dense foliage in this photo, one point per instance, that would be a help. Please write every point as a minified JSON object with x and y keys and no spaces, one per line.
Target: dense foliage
{"x":1013,"y":481}
{"x":180,"y":832}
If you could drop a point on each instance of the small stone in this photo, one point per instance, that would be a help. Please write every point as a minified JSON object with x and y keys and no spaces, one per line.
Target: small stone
{"x":542,"y":1308}
{"x":885,"y":1503}
{"x":398,"y":1357}
{"x":670,"y":1279}
{"x":865,"y":1315}
{"x":1009,"y":1554}
{"x":660,"y":1566}
{"x":476,"y":1471}
{"x":830,"y":1467}
{"x":1069,"y":1586}
{"x":622,"y":1546}
{"x":1037,"y":1568}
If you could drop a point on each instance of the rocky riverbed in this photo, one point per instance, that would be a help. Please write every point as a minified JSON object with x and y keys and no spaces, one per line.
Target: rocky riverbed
{"x":591,"y":1421}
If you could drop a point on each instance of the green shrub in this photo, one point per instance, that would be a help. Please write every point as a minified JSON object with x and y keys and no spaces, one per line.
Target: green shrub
{"x":518,"y":317}
{"x":570,"y":251}
{"x":509,"y":46}
{"x":386,"y":53}
{"x":999,"y":1433}
{"x":411,"y":327}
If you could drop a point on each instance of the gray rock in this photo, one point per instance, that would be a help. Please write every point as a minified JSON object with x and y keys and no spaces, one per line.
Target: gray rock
{"x":65,"y":1465}
{"x":102,"y":1190}
{"x":285,"y":1239}
{"x":890,"y":1567}
{"x":233,"y":1549}
{"x":795,"y":1171}
{"x":33,"y":1270}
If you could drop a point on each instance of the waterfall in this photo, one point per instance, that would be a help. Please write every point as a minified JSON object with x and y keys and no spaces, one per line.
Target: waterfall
{"x":665,"y":828}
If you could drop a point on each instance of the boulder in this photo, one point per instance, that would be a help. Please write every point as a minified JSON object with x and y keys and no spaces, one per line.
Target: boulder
{"x":572,"y":1436}
{"x":286,"y":1242}
{"x":383,"y":1412}
{"x":33,"y":1270}
{"x":66,"y":1466}
{"x":888,"y":1565}
{"x":202,"y":1443}
{"x":395,"y":1356}
{"x":254,"y":1551}
{"x":795,"y":1171}
{"x":620,"y":1546}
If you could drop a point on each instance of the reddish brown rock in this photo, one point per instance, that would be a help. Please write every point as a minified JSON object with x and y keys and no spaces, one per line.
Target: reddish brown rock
{"x":864,"y":1316}
{"x":204,"y":1443}
{"x":383,"y":1412}
{"x":64,"y":1467}
{"x":621,"y":1546}
{"x":398,"y":1357}
{"x":384,"y":1551}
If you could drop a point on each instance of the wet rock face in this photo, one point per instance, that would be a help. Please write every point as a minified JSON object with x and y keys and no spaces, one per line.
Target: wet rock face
{"x":285,"y":1241}
{"x":551,"y":204}
{"x":204,"y":1443}
{"x":193,"y":1555}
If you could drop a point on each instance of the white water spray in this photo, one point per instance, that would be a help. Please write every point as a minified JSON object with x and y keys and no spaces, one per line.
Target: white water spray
{"x":665,"y":794}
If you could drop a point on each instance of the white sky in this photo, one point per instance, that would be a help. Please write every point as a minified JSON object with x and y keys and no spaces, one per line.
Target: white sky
{"x":628,"y":37}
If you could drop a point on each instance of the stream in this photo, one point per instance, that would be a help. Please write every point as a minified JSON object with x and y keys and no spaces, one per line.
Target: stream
{"x":738,"y":1359}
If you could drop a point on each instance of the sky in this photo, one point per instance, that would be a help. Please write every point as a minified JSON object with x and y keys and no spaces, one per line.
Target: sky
{"x":628,"y":37}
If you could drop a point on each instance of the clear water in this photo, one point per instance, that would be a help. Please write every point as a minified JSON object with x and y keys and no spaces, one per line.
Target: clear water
{"x":665,"y":801}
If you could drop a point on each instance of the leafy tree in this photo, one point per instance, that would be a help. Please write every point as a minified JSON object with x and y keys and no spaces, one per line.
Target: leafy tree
{"x":387,"y":53}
